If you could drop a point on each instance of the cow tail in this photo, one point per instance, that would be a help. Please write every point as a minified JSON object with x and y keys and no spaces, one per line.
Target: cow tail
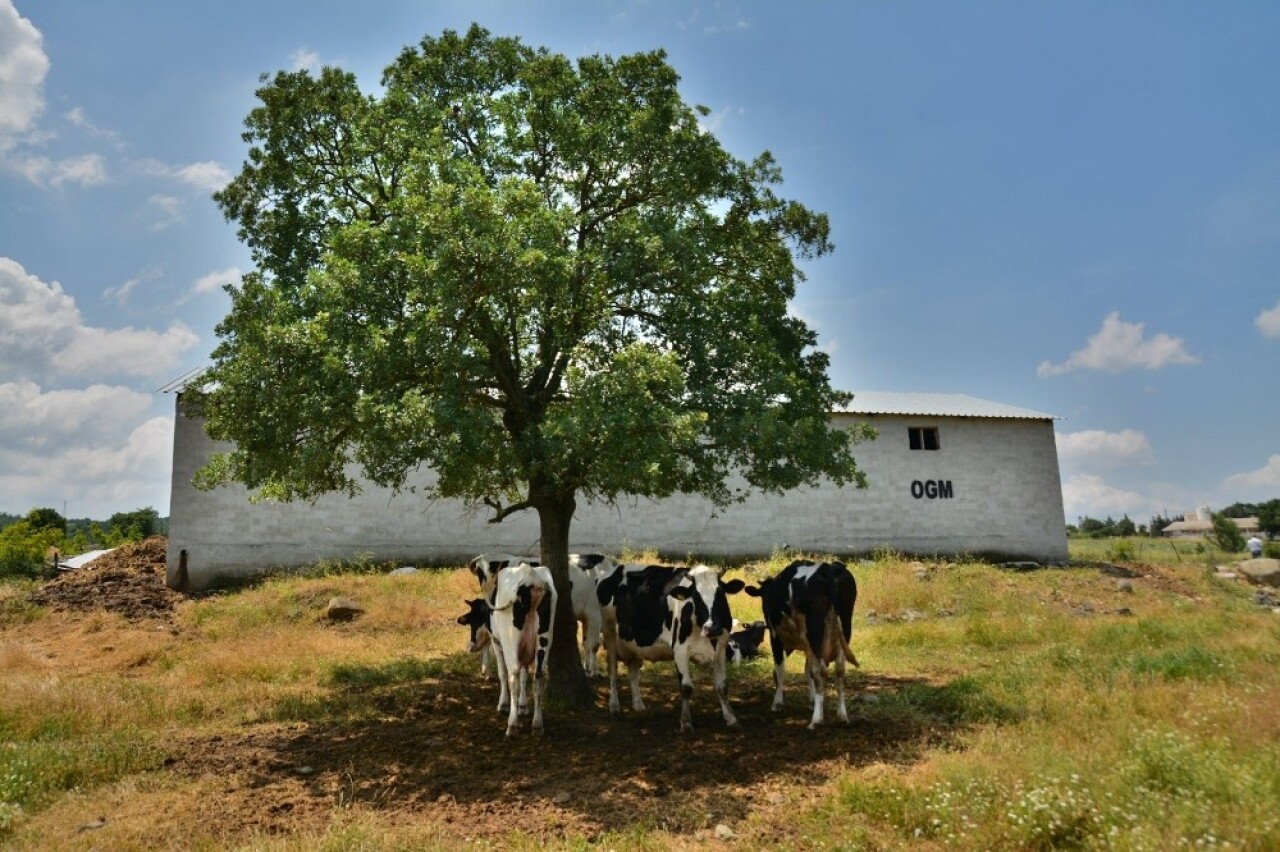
{"x":848,"y":652}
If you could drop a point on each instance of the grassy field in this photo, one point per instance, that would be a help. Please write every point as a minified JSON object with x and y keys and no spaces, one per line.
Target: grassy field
{"x":1060,"y":708}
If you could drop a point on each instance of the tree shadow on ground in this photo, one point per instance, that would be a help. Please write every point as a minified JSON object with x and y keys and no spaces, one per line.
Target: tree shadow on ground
{"x":424,"y":737}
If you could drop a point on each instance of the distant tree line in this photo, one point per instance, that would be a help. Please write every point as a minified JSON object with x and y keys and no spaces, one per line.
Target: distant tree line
{"x":27,"y":540}
{"x":1225,"y":533}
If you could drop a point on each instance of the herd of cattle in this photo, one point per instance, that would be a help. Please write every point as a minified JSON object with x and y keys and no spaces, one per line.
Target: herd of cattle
{"x":653,"y":613}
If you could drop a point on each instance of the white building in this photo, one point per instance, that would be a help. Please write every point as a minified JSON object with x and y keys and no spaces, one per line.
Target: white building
{"x":948,"y":475}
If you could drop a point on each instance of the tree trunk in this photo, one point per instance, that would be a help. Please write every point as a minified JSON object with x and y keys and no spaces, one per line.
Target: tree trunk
{"x":568,"y":681}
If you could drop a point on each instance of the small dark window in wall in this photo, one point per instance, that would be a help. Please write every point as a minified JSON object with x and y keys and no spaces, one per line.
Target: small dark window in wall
{"x":923,"y":437}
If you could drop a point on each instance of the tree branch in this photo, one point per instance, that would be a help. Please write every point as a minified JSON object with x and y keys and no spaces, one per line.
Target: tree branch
{"x":501,"y":512}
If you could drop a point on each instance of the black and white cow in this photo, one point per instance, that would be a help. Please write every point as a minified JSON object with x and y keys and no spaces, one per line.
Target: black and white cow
{"x":521,"y":626}
{"x":745,"y":642}
{"x":584,"y":569}
{"x":809,"y":607}
{"x":485,"y":568}
{"x":653,"y":612}
{"x":481,"y":642}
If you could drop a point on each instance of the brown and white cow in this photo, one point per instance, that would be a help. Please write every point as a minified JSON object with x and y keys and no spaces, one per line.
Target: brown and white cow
{"x":654,"y":613}
{"x":809,"y":607}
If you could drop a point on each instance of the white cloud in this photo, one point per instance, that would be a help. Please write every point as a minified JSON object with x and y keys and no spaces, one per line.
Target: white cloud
{"x":171,"y":209}
{"x":1268,"y":322}
{"x":714,"y":122}
{"x":216,"y":280}
{"x":108,"y":470}
{"x":1127,"y":448}
{"x":80,"y":120}
{"x":206,"y":175}
{"x":86,"y":170}
{"x":122,"y":293}
{"x":23,"y":66}
{"x":1119,"y":346}
{"x":1090,"y":496}
{"x":1264,"y":479}
{"x":42,"y":333}
{"x":32,"y":419}
{"x":303,"y":59}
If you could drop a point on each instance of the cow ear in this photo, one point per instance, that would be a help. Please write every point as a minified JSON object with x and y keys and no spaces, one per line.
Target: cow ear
{"x":734,"y":586}
{"x":754,"y":591}
{"x":680,"y":593}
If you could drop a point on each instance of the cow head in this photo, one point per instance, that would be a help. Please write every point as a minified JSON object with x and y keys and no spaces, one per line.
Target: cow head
{"x":486,"y":567}
{"x":774,"y":599}
{"x":477,"y":618}
{"x":709,"y":594}
{"x":744,"y":644}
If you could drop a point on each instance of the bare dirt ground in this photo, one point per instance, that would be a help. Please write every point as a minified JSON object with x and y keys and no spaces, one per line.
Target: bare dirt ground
{"x":446,"y":760}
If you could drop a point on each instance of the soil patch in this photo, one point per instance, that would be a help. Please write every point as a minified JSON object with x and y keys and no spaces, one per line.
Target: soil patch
{"x":129,"y":581}
{"x":444,"y":760}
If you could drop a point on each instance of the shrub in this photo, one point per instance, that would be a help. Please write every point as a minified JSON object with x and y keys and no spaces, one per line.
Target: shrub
{"x":23,"y":549}
{"x":1226,"y":535}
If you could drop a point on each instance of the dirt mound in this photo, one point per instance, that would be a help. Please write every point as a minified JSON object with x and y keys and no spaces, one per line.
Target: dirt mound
{"x":129,"y":580}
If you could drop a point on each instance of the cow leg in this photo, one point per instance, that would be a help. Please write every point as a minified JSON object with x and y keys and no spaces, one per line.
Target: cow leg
{"x":611,"y":663}
{"x":514,"y":674}
{"x":842,"y":712}
{"x":485,"y":653}
{"x":591,"y":645}
{"x":817,"y":671}
{"x":722,"y":682}
{"x":633,"y":673}
{"x":504,"y":690}
{"x":779,"y":670}
{"x":539,"y":689}
{"x":681,"y":655}
{"x":523,"y":703}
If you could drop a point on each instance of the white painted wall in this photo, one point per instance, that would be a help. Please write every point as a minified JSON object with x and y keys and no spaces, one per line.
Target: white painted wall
{"x":1005,"y":503}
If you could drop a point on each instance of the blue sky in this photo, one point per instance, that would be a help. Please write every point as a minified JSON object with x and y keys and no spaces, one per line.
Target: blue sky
{"x":1072,"y":207}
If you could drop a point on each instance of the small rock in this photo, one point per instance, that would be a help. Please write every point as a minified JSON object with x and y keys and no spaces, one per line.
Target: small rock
{"x":100,"y":822}
{"x":1124,"y":610}
{"x":910,"y":615}
{"x":1083,"y":610}
{"x":342,"y":609}
{"x":1262,"y":572}
{"x":406,"y":569}
{"x":867,"y":698}
{"x":561,"y":798}
{"x":1124,"y":585}
{"x":724,"y":832}
{"x":1227,"y":575}
{"x":776,"y":798}
{"x":1117,"y":571}
{"x":304,"y":770}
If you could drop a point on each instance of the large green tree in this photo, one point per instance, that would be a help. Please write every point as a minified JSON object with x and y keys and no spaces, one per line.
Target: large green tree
{"x":542,"y":278}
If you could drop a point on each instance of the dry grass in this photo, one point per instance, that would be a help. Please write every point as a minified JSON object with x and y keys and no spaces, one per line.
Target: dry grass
{"x":1070,"y":710}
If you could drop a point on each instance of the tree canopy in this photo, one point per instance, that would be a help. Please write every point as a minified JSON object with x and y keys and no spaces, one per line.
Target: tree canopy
{"x":543,"y":278}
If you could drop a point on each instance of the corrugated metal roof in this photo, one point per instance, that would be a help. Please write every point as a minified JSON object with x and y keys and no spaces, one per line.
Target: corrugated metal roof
{"x":937,"y":405}
{"x":180,"y":384}
{"x":864,"y":402}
